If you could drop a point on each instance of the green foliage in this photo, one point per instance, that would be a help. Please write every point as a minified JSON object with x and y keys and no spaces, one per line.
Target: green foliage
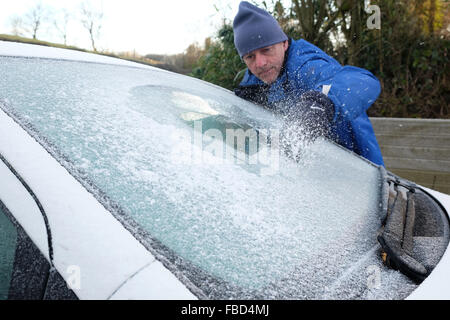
{"x":412,"y":64}
{"x":418,"y":86}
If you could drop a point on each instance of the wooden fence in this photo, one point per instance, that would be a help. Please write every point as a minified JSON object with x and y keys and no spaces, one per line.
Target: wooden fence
{"x":416,"y":149}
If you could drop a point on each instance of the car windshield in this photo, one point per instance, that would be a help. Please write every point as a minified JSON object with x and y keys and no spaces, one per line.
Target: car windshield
{"x":156,"y":146}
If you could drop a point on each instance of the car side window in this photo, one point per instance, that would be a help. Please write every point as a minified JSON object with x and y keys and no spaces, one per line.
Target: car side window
{"x":25,"y":270}
{"x":8,"y":244}
{"x":25,"y":274}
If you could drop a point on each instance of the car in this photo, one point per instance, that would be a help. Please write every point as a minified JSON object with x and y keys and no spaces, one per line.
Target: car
{"x":119,"y":180}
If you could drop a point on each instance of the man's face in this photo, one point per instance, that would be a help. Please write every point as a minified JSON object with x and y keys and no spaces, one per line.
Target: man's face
{"x":266,"y":63}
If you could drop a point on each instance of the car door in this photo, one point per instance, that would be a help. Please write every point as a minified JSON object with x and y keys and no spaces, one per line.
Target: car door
{"x":26,"y":270}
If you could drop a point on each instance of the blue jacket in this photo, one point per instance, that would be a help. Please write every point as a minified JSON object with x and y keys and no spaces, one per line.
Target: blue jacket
{"x":352,"y":90}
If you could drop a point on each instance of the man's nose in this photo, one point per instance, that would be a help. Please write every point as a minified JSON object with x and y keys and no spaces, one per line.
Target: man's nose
{"x":260,"y":60}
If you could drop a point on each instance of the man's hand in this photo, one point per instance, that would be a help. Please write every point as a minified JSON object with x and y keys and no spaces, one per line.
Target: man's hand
{"x":310,"y":117}
{"x":254,"y":93}
{"x":314,"y":112}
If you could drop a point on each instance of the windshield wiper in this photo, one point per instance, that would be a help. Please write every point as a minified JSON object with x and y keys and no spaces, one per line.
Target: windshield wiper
{"x":396,"y":235}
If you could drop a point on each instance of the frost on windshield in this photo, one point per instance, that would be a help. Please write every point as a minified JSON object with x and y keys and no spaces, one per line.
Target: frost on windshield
{"x":306,"y":230}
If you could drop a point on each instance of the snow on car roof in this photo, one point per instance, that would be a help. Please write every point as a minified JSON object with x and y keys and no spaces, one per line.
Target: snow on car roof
{"x":16,"y":49}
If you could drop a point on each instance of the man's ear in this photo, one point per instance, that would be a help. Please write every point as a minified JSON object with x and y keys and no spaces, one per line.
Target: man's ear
{"x":285,"y":45}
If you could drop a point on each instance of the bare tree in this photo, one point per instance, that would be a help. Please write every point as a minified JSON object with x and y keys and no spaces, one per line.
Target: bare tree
{"x":17,"y":26}
{"x":91,"y":20}
{"x":192,"y":55}
{"x":34,"y":19}
{"x":61,"y":24}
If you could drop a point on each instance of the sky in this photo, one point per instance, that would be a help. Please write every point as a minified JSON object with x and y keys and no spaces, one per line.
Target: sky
{"x":146,"y":26}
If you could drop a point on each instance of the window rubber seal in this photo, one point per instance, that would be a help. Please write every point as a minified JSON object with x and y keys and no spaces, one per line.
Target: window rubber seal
{"x":38,"y":203}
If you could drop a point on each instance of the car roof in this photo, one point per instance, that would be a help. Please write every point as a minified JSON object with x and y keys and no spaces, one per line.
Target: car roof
{"x":16,"y":49}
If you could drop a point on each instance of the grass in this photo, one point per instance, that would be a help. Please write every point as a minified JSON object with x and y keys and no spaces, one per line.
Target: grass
{"x":142,"y":60}
{"x":8,"y":37}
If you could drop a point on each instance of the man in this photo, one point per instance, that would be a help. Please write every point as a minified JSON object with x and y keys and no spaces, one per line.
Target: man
{"x":301,"y":81}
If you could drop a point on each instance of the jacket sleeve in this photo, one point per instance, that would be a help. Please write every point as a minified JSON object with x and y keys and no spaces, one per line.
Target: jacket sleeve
{"x":353,"y":90}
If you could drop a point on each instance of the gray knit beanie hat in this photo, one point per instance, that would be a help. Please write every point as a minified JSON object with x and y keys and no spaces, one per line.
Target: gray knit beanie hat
{"x":255,"y":28}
